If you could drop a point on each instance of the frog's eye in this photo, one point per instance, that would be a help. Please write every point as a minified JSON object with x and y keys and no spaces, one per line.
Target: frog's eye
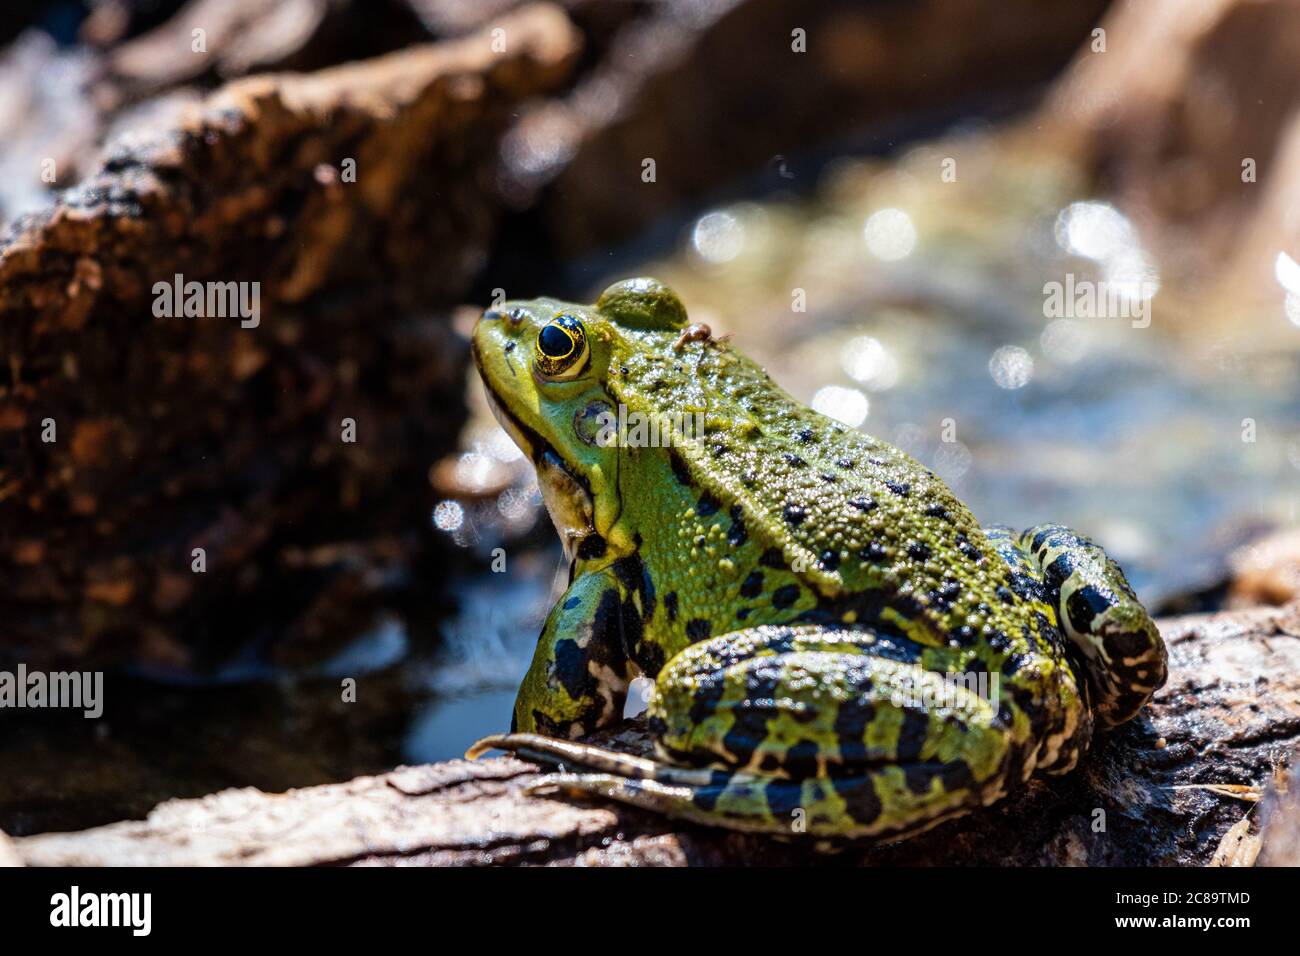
{"x":562,"y":348}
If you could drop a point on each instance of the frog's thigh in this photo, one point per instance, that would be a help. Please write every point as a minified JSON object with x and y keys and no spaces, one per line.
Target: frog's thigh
{"x":1097,"y":610}
{"x":579,"y":675}
{"x":810,"y":720}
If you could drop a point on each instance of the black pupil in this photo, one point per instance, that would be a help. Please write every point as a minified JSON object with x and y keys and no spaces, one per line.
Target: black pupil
{"x":554,"y":342}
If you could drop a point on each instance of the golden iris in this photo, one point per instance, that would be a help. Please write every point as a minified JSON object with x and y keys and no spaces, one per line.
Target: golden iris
{"x":561,"y":348}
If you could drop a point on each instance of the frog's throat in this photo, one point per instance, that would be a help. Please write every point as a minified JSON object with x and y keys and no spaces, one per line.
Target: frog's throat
{"x":567,"y":495}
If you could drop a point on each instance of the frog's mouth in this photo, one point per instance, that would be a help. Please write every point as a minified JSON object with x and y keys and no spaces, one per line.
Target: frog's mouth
{"x":567,"y":495}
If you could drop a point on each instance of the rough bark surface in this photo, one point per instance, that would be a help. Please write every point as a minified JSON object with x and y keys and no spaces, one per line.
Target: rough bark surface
{"x":1230,"y":715}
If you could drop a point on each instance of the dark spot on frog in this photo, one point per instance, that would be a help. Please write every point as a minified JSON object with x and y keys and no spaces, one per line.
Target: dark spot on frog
{"x":1014,"y":663}
{"x":828,"y":478}
{"x":1084,"y":605}
{"x":572,"y":602}
{"x":900,"y":488}
{"x":650,"y":658}
{"x":570,"y":669}
{"x":680,"y":471}
{"x":615,"y":624}
{"x":794,"y":461}
{"x":632,"y":572}
{"x":1005,"y":594}
{"x":749,"y":728}
{"x":907,"y":605}
{"x":742,"y":613}
{"x":772,"y":558}
{"x":862,"y":503}
{"x":999,"y":641}
{"x":918,"y":551}
{"x":670,"y":605}
{"x":964,"y":636}
{"x":874,"y":552}
{"x":805,"y":436}
{"x":948,"y":593}
{"x":794,"y":513}
{"x":698,"y":629}
{"x":911,"y":736}
{"x":784,"y":597}
{"x":769,"y":761}
{"x":752,"y":586}
{"x":545,"y":725}
{"x":936,"y":511}
{"x":845,"y":463}
{"x":707,"y":506}
{"x":592,"y":547}
{"x":736,"y":534}
{"x":829,"y":560}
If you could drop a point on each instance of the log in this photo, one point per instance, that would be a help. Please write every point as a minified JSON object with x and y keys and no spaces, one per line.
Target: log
{"x":1174,"y":787}
{"x":176,"y":487}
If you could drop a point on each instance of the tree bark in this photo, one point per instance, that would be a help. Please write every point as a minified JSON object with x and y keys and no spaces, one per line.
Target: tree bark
{"x":1228,"y":719}
{"x":174,"y":480}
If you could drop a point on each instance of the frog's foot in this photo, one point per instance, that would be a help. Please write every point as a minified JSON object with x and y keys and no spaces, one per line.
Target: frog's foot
{"x":1117,"y":641}
{"x":571,"y":753}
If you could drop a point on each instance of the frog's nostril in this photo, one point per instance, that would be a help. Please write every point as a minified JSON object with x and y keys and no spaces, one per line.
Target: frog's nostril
{"x":516,"y":316}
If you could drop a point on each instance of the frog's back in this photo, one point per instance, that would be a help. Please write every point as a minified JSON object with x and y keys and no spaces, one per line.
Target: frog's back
{"x":852,"y":516}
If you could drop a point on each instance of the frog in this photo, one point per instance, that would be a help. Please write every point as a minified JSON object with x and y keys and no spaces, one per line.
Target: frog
{"x":838,"y":649}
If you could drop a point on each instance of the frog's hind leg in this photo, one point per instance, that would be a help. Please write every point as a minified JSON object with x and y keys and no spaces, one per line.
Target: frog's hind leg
{"x":798,"y":730}
{"x":1119,"y":645}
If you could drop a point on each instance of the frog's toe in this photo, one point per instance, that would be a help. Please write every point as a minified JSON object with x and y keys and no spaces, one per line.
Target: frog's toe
{"x":571,"y":753}
{"x":681,"y":801}
{"x":648,"y":794}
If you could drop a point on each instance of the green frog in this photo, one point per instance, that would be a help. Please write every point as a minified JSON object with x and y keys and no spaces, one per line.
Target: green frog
{"x":838,"y":648}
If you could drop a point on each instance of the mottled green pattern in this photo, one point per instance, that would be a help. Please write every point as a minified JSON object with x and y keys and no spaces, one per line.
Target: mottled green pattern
{"x":805,"y":595}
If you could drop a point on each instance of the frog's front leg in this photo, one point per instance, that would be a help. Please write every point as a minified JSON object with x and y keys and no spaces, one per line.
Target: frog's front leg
{"x":579,"y":676}
{"x":1119,"y":645}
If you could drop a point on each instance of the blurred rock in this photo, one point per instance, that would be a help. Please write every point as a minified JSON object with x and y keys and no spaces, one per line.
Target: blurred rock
{"x":1280,"y":832}
{"x":716,"y":91}
{"x":8,"y":855}
{"x":48,"y":121}
{"x":173,"y":432}
{"x":1267,"y":571}
{"x":112,"y":21}
{"x":1184,"y":103}
{"x":226,"y":39}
